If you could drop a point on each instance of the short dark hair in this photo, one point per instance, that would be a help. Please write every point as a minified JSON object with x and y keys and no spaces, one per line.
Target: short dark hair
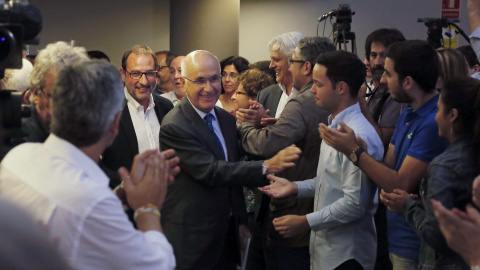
{"x":311,"y":47}
{"x":98,"y":55}
{"x":240,"y":63}
{"x":384,"y":36}
{"x":417,"y":59}
{"x":343,"y":66}
{"x":139,"y":50}
{"x":470,"y":55}
{"x":254,"y":80}
{"x":170,"y":56}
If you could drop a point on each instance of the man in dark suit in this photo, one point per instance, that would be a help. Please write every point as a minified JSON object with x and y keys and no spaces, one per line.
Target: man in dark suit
{"x":143,"y":112}
{"x":201,"y":206}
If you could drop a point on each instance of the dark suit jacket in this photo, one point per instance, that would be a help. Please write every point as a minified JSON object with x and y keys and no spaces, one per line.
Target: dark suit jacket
{"x":125,"y":146}
{"x":269,"y":98}
{"x":207,"y":190}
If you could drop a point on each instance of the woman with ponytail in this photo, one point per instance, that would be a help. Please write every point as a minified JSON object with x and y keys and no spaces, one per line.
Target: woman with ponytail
{"x":450,"y":175}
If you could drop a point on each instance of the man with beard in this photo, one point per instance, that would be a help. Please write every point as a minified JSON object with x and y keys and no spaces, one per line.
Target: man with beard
{"x":380,"y":109}
{"x":411,"y":72}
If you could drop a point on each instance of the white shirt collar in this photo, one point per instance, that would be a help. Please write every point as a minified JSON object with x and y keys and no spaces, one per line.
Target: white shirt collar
{"x":202,"y":114}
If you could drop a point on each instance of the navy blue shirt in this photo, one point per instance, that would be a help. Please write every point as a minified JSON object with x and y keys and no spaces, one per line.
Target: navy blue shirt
{"x":415,"y":135}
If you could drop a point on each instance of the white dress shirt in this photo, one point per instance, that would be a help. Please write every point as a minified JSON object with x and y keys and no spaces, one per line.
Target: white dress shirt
{"x":283,"y":99}
{"x":172,"y":97}
{"x":66,"y":190}
{"x":345,"y":201}
{"x":145,"y":123}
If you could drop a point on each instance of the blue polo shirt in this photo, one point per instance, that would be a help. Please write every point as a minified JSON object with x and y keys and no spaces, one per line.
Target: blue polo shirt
{"x":415,"y":135}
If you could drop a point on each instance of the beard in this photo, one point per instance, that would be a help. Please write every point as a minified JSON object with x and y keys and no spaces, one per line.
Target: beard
{"x":377,"y":72}
{"x":399,"y":95}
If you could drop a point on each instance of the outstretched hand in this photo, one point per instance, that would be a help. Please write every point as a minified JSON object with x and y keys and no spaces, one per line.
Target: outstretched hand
{"x":279,"y":188}
{"x":283,"y":159}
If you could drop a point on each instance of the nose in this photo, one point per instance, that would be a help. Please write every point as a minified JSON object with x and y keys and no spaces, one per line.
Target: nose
{"x":177,"y":74}
{"x":312,"y":90}
{"x":380,"y":61}
{"x":234,"y":96}
{"x":383,"y":79}
{"x":272,"y":65}
{"x":143,"y":79}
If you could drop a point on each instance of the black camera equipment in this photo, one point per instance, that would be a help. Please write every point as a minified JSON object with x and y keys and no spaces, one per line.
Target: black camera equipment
{"x":20,"y":23}
{"x":342,"y":33}
{"x":435,"y":26}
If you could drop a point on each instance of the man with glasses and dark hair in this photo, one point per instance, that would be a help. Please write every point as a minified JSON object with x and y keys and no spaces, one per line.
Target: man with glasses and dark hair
{"x":48,"y":63}
{"x":164,"y":82}
{"x":140,"y":123}
{"x":297,"y":124}
{"x":205,"y":203}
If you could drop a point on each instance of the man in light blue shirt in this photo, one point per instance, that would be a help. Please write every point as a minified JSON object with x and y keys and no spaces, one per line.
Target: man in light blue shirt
{"x":343,"y":233}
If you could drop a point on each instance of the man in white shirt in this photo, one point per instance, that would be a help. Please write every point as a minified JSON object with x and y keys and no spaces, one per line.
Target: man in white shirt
{"x":140,"y":123}
{"x":343,"y":233}
{"x":65,"y":189}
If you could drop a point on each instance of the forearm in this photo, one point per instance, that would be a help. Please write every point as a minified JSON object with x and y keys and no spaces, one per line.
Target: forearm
{"x":383,"y":176}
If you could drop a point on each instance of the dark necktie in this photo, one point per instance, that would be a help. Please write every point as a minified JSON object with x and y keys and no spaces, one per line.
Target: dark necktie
{"x":208,"y":119}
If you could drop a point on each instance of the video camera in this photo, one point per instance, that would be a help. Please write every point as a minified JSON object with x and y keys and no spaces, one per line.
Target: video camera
{"x":20,"y":23}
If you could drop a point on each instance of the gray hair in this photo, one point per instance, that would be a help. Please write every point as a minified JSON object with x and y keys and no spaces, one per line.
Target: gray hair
{"x":18,"y":79}
{"x":286,"y":42}
{"x":53,"y":58}
{"x":85,"y":100}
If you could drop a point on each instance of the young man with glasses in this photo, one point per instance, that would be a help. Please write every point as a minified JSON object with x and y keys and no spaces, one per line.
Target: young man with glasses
{"x":143,"y":112}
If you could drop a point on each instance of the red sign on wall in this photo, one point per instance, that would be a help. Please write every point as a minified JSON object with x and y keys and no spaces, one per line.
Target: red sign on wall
{"x":451,"y":9}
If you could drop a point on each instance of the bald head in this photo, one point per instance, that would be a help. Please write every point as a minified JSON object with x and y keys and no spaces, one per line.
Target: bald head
{"x":203,"y":68}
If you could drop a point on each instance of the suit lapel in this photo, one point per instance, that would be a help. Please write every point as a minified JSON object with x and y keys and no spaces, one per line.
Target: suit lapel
{"x":200,"y":128}
{"x":127,"y":125}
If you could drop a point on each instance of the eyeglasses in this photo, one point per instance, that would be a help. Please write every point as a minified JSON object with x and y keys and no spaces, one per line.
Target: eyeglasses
{"x":291,"y":61}
{"x":136,"y":75}
{"x":203,"y":81}
{"x":47,"y":96}
{"x":241,"y":93}
{"x":231,"y":75}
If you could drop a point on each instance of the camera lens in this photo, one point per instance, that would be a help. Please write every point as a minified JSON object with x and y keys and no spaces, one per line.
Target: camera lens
{"x":7,"y":45}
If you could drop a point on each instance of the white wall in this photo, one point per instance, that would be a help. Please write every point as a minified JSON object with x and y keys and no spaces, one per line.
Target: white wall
{"x":261,"y":20}
{"x":111,"y":26}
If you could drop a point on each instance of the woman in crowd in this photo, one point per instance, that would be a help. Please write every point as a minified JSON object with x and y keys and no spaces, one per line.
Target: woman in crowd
{"x":250,"y":83}
{"x":232,"y":67}
{"x":450,"y":175}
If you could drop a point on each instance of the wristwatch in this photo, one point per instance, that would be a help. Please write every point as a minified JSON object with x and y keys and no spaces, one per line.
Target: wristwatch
{"x":355,"y":155}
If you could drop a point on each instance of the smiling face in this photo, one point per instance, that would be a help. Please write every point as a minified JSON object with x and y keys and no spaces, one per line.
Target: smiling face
{"x":279,"y":63}
{"x":140,"y":89}
{"x":202,"y":65}
{"x":178,"y":80}
{"x":241,"y":98}
{"x":229,"y":78}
